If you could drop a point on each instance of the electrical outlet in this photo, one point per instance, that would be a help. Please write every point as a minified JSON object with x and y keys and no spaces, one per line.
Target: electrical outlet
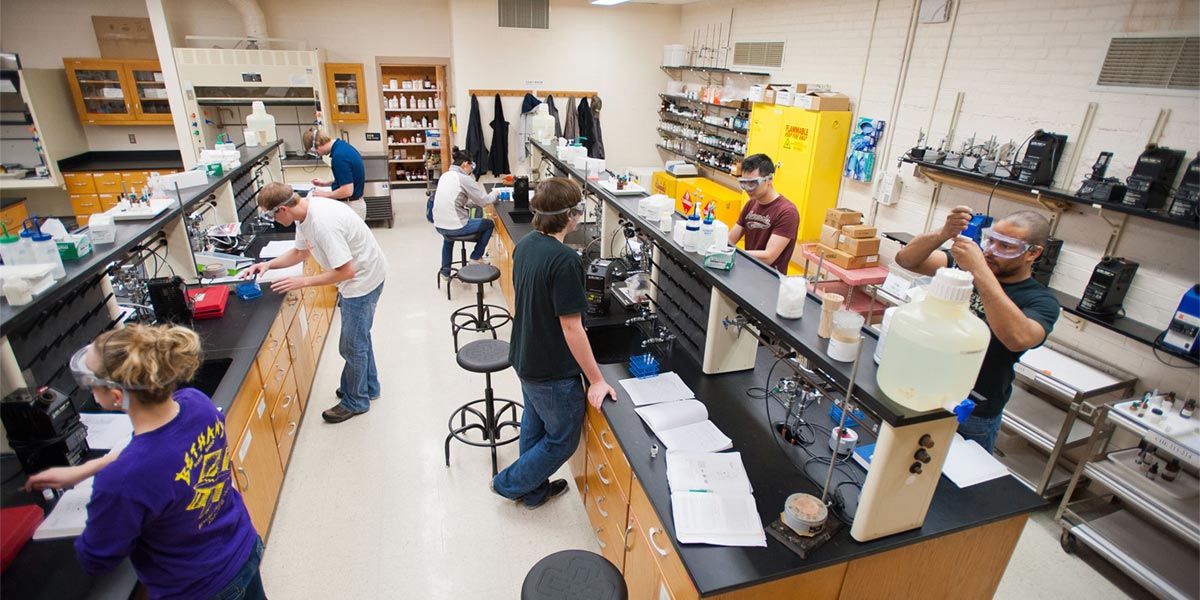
{"x":132,"y":139}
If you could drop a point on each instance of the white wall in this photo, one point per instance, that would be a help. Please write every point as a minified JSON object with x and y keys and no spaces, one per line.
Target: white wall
{"x":614,"y":51}
{"x":1023,"y":64}
{"x":44,"y":32}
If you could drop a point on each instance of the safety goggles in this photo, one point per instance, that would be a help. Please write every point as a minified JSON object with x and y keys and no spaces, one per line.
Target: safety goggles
{"x":576,"y":211}
{"x":87,"y":379}
{"x":1003,"y":246}
{"x":269,"y":215}
{"x":751,"y":183}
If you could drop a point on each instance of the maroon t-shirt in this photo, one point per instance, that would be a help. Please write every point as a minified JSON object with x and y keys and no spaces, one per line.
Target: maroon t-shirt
{"x":760,"y":222}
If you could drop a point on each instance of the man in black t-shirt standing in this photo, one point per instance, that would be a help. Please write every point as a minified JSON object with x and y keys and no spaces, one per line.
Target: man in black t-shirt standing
{"x":549,"y":347}
{"x":1020,"y":311}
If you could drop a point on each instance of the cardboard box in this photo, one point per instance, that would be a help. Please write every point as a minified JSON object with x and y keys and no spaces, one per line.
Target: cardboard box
{"x":845,"y":261}
{"x":858,"y":247}
{"x":124,"y":38}
{"x":860,"y":232}
{"x":822,"y":101}
{"x":829,"y":236}
{"x":840,"y":217}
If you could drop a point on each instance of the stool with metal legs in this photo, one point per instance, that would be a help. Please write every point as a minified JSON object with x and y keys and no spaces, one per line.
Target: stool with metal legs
{"x":574,"y":574}
{"x":486,"y":415}
{"x":455,"y":265}
{"x":480,"y":317}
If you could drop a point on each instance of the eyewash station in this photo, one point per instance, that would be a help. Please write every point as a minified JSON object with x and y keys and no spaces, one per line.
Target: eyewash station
{"x":721,"y":353}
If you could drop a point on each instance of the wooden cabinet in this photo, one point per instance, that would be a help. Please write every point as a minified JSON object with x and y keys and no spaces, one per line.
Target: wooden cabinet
{"x":345,"y":84}
{"x":501,"y":249}
{"x":415,"y":103}
{"x":641,"y":571}
{"x":94,"y":192}
{"x":118,"y":92}
{"x":285,"y":418}
{"x":13,"y":216}
{"x":256,"y":468}
{"x":300,"y":349}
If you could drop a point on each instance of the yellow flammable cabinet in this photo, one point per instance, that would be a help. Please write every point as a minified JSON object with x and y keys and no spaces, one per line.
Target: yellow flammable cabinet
{"x":808,"y":148}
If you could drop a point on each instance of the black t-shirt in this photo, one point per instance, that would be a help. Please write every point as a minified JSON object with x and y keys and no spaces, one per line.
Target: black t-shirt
{"x":995,"y":379}
{"x":548,"y":280}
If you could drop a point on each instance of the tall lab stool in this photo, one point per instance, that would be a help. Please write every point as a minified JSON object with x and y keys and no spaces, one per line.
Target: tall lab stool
{"x":480,"y":317}
{"x":455,"y":265}
{"x":574,"y":574}
{"x":486,"y":415}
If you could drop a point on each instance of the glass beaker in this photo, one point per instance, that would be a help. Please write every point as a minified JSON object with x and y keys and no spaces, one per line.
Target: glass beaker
{"x":793,"y":292}
{"x":846,"y":336}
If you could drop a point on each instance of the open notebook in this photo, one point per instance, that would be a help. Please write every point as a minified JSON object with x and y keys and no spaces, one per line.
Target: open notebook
{"x":711,"y":501}
{"x":69,"y":515}
{"x":664,"y":387}
{"x":684,"y":425}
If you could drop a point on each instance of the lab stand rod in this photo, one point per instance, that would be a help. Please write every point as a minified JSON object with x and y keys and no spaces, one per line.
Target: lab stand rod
{"x":847,"y":406}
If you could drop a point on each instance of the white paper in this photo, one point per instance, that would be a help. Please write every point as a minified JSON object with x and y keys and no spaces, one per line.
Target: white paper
{"x":664,"y":387}
{"x":707,"y":471}
{"x":107,"y":431}
{"x":293,"y":271}
{"x":7,"y":87}
{"x":69,"y":516}
{"x":276,"y":248}
{"x":661,"y":417}
{"x":695,"y":437}
{"x":967,"y":463}
{"x":719,"y":519}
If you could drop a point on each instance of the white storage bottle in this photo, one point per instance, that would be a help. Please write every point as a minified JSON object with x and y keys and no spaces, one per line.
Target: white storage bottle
{"x":260,"y":120}
{"x":45,"y":251}
{"x":543,"y":124}
{"x":935,"y":346}
{"x":14,"y":250}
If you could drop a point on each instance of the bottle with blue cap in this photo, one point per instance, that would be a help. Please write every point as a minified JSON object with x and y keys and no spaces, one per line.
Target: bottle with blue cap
{"x":45,"y":251}
{"x":14,"y":250}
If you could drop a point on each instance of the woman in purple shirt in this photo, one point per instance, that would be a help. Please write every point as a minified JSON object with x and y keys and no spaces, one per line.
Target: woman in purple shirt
{"x":167,"y":500}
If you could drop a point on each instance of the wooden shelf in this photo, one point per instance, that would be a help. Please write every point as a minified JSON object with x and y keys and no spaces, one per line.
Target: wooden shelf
{"x":399,"y":145}
{"x":407,"y":160}
{"x":391,"y":91}
{"x":717,"y":70}
{"x":687,"y":119}
{"x":103,"y":81}
{"x":421,"y":110}
{"x":408,"y":128}
{"x":698,"y":142}
{"x":686,"y":99}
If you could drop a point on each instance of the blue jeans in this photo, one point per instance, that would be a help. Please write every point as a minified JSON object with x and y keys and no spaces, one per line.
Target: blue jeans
{"x":360,"y":379}
{"x":982,"y":430}
{"x":247,"y":584}
{"x":550,"y":427}
{"x":483,"y":226}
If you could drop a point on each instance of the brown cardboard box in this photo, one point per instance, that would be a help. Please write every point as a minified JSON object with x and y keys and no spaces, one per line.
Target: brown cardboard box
{"x":124,"y":38}
{"x":829,"y":236}
{"x":840,"y":217}
{"x":822,"y":101}
{"x":858,"y":247}
{"x":859,"y":231}
{"x":845,"y":261}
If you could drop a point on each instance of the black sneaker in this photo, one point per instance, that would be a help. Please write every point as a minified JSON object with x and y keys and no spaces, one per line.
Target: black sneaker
{"x":338,"y":392}
{"x":337,"y":414}
{"x":557,"y":487}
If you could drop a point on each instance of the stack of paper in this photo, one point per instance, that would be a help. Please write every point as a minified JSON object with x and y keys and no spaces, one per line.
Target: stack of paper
{"x":69,"y":516}
{"x":711,"y":502}
{"x":967,"y":463}
{"x":664,"y":387}
{"x":276,"y":248}
{"x":107,"y":431}
{"x":684,"y":425}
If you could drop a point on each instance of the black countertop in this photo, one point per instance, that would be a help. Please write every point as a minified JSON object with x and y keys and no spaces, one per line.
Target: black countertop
{"x":7,"y":202}
{"x":49,"y":569}
{"x":123,"y":160}
{"x":754,"y":287}
{"x":129,"y":234}
{"x":721,"y":569}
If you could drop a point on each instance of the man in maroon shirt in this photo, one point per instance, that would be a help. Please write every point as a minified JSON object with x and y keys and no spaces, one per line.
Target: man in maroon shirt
{"x":769,"y":221}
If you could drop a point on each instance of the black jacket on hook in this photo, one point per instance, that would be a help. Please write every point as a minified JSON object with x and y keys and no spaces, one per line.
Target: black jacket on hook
{"x":597,"y":149}
{"x":586,"y":125}
{"x":476,"y":148}
{"x":554,"y":113}
{"x":499,"y":160}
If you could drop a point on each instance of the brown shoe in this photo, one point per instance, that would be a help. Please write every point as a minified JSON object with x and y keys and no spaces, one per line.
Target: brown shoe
{"x":337,"y":414}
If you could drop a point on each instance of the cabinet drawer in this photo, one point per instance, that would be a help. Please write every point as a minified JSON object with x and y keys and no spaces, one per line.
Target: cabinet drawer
{"x":291,"y":304}
{"x":275,"y":378}
{"x":607,"y":513}
{"x":134,"y":180}
{"x":257,"y":473}
{"x":599,"y":468}
{"x":107,"y":201}
{"x":244,"y":402}
{"x":660,"y":541}
{"x":85,"y":204}
{"x":272,"y":345}
{"x":280,"y":415}
{"x":79,"y":183}
{"x":620,"y":471}
{"x":107,"y":183}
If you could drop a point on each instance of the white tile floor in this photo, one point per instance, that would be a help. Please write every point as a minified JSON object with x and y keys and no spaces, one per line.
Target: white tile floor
{"x":368,"y":509}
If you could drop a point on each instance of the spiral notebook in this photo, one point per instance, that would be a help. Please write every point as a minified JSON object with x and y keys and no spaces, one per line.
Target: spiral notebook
{"x":684,"y":425}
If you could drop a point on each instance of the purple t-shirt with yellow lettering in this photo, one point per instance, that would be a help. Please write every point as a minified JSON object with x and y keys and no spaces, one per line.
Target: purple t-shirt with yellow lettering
{"x":169,"y":504}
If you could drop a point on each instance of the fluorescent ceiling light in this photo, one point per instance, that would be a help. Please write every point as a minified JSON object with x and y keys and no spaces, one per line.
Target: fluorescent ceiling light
{"x":607,"y":2}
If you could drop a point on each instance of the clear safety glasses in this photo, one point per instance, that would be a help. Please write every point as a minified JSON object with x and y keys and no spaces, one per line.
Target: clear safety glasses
{"x":751,"y":183}
{"x":1003,"y":246}
{"x":575,"y":211}
{"x":269,"y":215}
{"x":86,"y":378}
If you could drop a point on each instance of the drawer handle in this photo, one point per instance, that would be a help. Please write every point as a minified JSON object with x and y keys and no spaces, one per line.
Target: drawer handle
{"x":292,"y":300}
{"x":603,"y":442}
{"x":246,"y":476}
{"x":289,"y":401}
{"x":292,"y":430}
{"x":586,"y":487}
{"x":600,"y":541}
{"x":660,"y":551}
{"x":628,"y":531}
{"x":600,"y":474}
{"x":600,"y":499}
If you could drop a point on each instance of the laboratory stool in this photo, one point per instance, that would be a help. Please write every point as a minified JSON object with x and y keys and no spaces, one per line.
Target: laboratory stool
{"x":574,"y":574}
{"x":480,"y":317}
{"x":455,"y":265}
{"x":487,"y":357}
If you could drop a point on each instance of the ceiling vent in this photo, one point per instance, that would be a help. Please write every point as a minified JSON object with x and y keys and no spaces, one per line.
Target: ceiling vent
{"x":525,"y":14}
{"x":758,"y":54}
{"x":1167,"y":63}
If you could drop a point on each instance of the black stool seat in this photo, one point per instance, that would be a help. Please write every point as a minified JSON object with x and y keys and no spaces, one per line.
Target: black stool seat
{"x":456,"y":265}
{"x":466,"y":237}
{"x":478,"y":274}
{"x":574,"y":574}
{"x":484,"y":356}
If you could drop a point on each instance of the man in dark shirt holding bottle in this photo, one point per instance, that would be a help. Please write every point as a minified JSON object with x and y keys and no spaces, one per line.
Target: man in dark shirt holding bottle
{"x":349,"y":173}
{"x":769,"y":221}
{"x":1020,"y":311}
{"x":549,"y":347}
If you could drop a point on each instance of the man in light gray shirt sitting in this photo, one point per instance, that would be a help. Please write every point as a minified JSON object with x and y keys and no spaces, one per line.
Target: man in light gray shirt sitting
{"x":456,"y":191}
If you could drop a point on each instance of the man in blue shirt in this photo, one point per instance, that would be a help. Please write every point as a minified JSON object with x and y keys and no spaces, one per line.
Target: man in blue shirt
{"x":348,"y":175}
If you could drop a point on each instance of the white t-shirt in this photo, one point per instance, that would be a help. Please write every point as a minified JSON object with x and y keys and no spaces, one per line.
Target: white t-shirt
{"x":335,"y":236}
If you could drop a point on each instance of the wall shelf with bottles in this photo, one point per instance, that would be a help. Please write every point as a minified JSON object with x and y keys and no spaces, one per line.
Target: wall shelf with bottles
{"x":413,"y":102}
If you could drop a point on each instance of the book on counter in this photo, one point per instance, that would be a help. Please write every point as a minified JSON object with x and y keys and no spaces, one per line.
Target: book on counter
{"x":684,"y":425}
{"x":711,"y":500}
{"x":664,"y":387}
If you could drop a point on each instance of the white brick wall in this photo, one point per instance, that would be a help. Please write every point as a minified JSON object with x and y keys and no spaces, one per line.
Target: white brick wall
{"x":1022,"y":65}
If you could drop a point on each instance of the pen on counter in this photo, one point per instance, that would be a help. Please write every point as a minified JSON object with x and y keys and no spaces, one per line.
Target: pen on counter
{"x":701,"y":491}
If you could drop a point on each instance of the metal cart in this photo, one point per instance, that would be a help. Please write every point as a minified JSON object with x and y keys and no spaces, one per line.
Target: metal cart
{"x":1149,"y":529}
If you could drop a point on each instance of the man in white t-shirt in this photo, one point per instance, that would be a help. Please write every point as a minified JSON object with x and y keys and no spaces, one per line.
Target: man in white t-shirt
{"x":346,"y":249}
